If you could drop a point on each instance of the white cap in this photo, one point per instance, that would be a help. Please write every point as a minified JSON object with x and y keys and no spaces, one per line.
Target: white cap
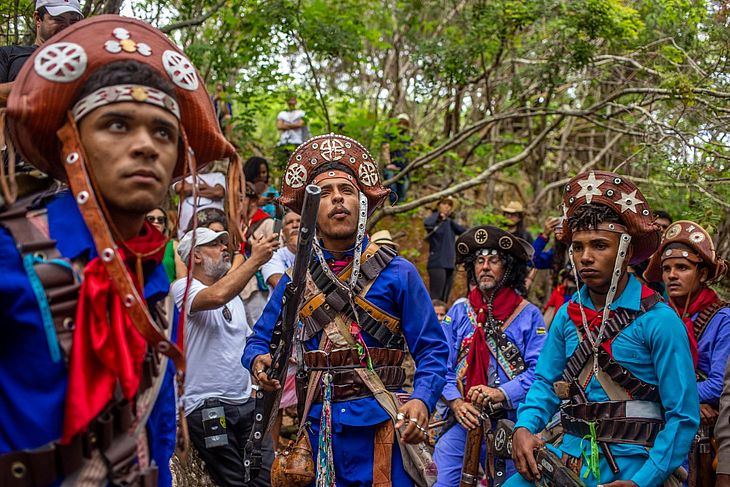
{"x":203,"y":236}
{"x":59,"y":7}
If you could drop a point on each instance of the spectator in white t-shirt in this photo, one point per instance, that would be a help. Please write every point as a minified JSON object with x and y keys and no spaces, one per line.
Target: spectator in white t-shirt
{"x":216,"y":384}
{"x":293,"y":130}
{"x":284,"y":257}
{"x":211,"y":188}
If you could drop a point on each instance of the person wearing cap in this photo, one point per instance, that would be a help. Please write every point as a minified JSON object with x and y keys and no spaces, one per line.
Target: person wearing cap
{"x":441,"y":233}
{"x":394,"y":152}
{"x":365,"y":438}
{"x":83,"y":364}
{"x":50,"y":17}
{"x":616,"y":356}
{"x":687,"y":263}
{"x":494,"y":323}
{"x":215,"y":320}
{"x":515,"y":213}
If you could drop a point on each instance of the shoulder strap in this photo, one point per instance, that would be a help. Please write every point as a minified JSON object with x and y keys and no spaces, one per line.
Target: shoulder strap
{"x":706,"y":315}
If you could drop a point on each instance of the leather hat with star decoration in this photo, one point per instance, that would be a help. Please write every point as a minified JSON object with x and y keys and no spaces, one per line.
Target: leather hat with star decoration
{"x":623,"y":197}
{"x":341,"y":157}
{"x":697,"y":246}
{"x":45,"y":91}
{"x":492,"y":238}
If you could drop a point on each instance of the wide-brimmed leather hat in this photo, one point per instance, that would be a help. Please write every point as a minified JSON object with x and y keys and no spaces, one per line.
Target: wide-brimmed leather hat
{"x":622,"y":196}
{"x":489,"y":237}
{"x":697,"y":246}
{"x":48,"y":85}
{"x":344,"y":157}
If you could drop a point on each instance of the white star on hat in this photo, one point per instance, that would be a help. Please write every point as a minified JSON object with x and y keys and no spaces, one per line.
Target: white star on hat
{"x":589,"y":187}
{"x":628,"y":201}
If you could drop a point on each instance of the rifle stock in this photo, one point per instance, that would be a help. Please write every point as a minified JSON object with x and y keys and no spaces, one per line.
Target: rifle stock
{"x":267,"y":402}
{"x":472,"y":452}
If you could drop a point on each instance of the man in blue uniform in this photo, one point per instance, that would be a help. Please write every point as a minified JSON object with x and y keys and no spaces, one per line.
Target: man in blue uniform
{"x":361,"y":440}
{"x":495,"y":337}
{"x":83,"y":267}
{"x":617,"y":356}
{"x":686,"y":263}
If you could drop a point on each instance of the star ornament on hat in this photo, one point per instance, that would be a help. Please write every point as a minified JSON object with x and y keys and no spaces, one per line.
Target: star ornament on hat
{"x":331,"y":156}
{"x":696,"y":245}
{"x":623,"y":197}
{"x":487,"y":237}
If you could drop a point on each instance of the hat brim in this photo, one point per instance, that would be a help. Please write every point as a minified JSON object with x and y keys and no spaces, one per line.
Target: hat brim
{"x":62,"y":9}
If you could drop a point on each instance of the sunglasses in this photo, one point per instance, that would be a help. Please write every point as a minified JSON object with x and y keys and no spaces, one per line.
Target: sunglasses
{"x":157,"y":219}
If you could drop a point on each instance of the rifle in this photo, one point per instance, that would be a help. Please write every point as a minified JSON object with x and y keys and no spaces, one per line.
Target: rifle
{"x":473,"y":450}
{"x":267,"y":403}
{"x":552,"y":471}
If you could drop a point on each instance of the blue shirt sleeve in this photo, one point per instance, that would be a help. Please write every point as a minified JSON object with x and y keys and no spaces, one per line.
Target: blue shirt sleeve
{"x":453,"y":322}
{"x":541,"y":402}
{"x":425,"y":337}
{"x":258,"y":343}
{"x":542,"y":258}
{"x":672,"y":361}
{"x":430,"y":221}
{"x":718,"y":350}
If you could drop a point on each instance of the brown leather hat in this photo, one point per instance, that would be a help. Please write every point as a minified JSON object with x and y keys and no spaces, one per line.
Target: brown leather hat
{"x":698,"y":247}
{"x":489,"y":237}
{"x":623,"y":197}
{"x":50,"y":80}
{"x":343,"y":157}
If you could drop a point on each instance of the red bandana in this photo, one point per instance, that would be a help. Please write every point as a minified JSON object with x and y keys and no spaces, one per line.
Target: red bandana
{"x":106,"y":345}
{"x":704,"y":298}
{"x":477,"y":362}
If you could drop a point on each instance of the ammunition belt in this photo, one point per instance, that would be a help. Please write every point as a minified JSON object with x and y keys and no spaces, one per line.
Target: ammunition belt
{"x":637,"y":388}
{"x":633,"y":422}
{"x":700,"y":324}
{"x":322,"y":309}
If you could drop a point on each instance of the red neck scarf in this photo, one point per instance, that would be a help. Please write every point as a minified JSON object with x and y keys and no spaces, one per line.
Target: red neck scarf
{"x":107,"y":348}
{"x":477,"y":361}
{"x":704,"y":298}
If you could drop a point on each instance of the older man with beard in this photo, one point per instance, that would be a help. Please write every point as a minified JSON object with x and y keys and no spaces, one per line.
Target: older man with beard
{"x":217,"y":405}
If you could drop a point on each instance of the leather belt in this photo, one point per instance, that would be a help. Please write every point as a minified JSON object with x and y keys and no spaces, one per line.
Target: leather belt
{"x":633,"y":422}
{"x":347,"y":384}
{"x":319,"y":359}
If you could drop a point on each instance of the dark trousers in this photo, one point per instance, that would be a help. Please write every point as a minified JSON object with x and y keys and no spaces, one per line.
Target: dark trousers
{"x":440,"y":281}
{"x":225,"y":463}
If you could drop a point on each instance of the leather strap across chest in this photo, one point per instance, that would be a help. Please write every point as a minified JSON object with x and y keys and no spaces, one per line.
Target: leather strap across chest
{"x":706,"y":315}
{"x":325,"y":300}
{"x":623,"y":377}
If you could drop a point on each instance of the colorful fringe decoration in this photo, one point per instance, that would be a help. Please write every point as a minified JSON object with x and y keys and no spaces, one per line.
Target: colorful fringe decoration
{"x":325,"y":458}
{"x":362,"y":349}
{"x":592,"y":460}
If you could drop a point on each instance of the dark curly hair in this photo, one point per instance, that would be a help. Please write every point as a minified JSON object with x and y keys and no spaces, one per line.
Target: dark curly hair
{"x":588,"y":217}
{"x":126,"y":72}
{"x":515,"y":271}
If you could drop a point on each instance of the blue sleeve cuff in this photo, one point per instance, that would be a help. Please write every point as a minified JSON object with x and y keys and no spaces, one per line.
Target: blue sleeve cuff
{"x":649,"y":476}
{"x":451,"y":392}
{"x":427,"y":397}
{"x":249,"y":354}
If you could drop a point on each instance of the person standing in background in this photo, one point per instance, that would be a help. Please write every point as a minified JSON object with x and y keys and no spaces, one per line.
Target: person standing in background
{"x":441,"y":233}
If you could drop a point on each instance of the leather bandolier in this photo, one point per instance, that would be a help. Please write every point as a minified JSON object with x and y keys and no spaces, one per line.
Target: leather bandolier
{"x":700,"y":325}
{"x":634,"y":414}
{"x":324,"y":300}
{"x":110,"y":433}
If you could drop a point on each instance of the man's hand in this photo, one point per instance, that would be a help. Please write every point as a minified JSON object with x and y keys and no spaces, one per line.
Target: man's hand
{"x":619,"y":483}
{"x":523,"y":453}
{"x":481,"y":395}
{"x":260,"y":364}
{"x":414,"y":416}
{"x":549,"y":226}
{"x":708,"y":414}
{"x":263,"y":248}
{"x":466,"y":414}
{"x":723,"y":480}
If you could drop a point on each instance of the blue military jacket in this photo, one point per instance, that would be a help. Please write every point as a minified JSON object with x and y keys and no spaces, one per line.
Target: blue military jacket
{"x":33,"y":385}
{"x":400,"y":292}
{"x":527,"y":332}
{"x":654,"y":348}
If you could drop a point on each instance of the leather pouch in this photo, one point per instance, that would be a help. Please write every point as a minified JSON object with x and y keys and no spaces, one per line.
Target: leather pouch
{"x":294,"y":467}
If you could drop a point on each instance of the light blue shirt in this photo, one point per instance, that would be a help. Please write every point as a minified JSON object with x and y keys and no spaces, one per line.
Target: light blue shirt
{"x":655,"y":349}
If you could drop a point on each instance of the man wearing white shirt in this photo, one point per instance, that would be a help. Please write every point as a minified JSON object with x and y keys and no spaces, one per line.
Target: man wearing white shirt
{"x":284,"y":257}
{"x":217,"y":402}
{"x":211,"y":188}
{"x":293,"y":130}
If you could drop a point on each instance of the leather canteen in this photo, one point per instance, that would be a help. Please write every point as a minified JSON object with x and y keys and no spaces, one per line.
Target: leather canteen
{"x":294,"y":467}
